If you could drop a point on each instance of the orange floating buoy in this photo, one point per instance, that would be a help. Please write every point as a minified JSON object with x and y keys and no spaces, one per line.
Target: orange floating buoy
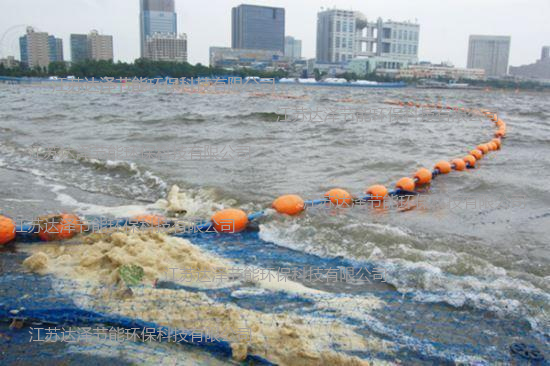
{"x":230,"y":220}
{"x":289,"y":204}
{"x":7,"y":230}
{"x":459,"y":164}
{"x":59,"y":227}
{"x":496,"y":142}
{"x":491,"y":145}
{"x":423,"y":176}
{"x":405,"y":184}
{"x":153,"y":220}
{"x":483,"y":148}
{"x":500,"y":133}
{"x":338,"y":196}
{"x":500,"y":123}
{"x":470,"y":159}
{"x":443,"y":166}
{"x":476,"y":153}
{"x":377,"y":192}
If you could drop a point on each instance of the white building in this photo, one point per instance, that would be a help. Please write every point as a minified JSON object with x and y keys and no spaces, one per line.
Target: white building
{"x":440,"y":71}
{"x":489,"y":53}
{"x":343,"y":35}
{"x":166,"y":47}
{"x":293,"y":48}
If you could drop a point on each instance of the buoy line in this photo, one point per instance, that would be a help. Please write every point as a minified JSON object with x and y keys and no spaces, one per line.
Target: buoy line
{"x":232,"y":220}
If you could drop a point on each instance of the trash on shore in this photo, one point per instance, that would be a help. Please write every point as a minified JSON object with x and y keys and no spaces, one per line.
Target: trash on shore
{"x":107,"y":260}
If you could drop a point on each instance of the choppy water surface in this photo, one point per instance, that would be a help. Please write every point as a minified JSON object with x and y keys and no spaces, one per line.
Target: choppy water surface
{"x":489,"y":256}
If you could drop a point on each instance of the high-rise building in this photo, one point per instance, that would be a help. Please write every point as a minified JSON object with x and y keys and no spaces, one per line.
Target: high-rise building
{"x":489,"y":53}
{"x":92,"y":46}
{"x":156,"y":16}
{"x":100,"y":47}
{"x":79,"y":47}
{"x":23,"y":50}
{"x":335,"y":36}
{"x":55,"y":48}
{"x":343,"y":35}
{"x":35,"y":48}
{"x":166,"y":47}
{"x":258,"y":27}
{"x":293,"y":48}
{"x":545,"y":53}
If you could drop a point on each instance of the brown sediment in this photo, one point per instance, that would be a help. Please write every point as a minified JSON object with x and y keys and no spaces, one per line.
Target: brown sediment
{"x":99,"y":258}
{"x":173,"y":204}
{"x":37,"y":262}
{"x":285,"y":339}
{"x":188,"y":205}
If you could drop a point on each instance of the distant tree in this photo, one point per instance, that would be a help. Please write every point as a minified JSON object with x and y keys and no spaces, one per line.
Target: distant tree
{"x":151,"y":69}
{"x":349,"y":76}
{"x":57,"y":68}
{"x":317,"y":74}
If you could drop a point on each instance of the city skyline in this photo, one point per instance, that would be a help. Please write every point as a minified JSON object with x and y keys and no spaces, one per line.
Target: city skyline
{"x":211,"y":25}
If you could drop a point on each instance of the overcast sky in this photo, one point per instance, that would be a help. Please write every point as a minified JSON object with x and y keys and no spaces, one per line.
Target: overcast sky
{"x":444,"y":24}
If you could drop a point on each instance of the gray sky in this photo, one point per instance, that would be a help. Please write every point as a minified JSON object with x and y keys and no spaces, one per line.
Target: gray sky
{"x":444,"y":24}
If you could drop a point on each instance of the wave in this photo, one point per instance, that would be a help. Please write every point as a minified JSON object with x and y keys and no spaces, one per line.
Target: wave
{"x":456,"y":278}
{"x":262,"y":116}
{"x":177,"y":119}
{"x":126,"y":179}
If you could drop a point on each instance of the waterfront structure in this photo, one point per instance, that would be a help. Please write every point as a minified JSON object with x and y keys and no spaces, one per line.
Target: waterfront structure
{"x":156,"y":17}
{"x":39,"y":49}
{"x":258,"y":28}
{"x":343,"y":35}
{"x":490,"y":53}
{"x":293,"y":48}
{"x":430,"y":71}
{"x":327,"y":69}
{"x":234,"y":57}
{"x":166,"y":47}
{"x":362,"y":66}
